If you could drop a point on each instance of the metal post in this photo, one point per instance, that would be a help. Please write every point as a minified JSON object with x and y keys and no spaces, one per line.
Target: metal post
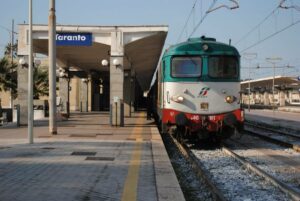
{"x":122,"y":114}
{"x":273,"y":88}
{"x":116,"y":106}
{"x":249,"y":91}
{"x":273,"y":61}
{"x":52,"y":68}
{"x":87,"y":95}
{"x":18,"y":115}
{"x":68,"y":102}
{"x":249,"y":56}
{"x":30,"y":79}
{"x":12,"y":63}
{"x":110,"y":114}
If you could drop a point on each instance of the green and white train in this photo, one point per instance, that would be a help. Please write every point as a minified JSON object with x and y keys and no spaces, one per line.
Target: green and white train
{"x":198,"y":88}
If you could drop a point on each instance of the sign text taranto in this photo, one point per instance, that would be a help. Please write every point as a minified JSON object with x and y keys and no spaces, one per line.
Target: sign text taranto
{"x":74,"y":39}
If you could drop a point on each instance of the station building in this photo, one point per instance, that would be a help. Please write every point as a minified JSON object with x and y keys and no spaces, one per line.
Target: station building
{"x":99,"y":68}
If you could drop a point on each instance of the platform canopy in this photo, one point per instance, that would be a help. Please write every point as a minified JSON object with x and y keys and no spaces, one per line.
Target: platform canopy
{"x":142,"y":47}
{"x":267,"y":83}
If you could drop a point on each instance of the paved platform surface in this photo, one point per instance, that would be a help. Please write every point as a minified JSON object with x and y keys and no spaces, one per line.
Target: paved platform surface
{"x":87,"y":160}
{"x":290,"y":120}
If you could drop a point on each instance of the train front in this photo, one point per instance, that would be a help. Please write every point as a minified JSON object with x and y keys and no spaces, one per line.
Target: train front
{"x":201,"y":88}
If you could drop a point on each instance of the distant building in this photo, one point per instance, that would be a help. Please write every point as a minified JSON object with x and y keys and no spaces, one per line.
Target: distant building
{"x":286,"y":91}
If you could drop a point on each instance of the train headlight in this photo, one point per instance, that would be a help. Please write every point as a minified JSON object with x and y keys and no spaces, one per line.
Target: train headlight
{"x":230,"y":99}
{"x":177,"y":99}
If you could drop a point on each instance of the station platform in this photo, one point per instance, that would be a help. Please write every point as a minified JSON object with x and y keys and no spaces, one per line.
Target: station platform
{"x":87,"y":160}
{"x":277,"y":118}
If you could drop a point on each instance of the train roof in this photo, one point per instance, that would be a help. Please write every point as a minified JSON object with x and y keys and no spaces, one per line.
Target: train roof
{"x":197,"y":46}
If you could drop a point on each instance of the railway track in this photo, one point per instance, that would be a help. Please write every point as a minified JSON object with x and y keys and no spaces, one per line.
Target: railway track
{"x":283,"y":138}
{"x":230,"y":177}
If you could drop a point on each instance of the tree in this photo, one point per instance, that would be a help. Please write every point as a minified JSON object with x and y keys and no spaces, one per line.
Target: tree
{"x":9,"y":48}
{"x":8,"y":76}
{"x":40,"y":85}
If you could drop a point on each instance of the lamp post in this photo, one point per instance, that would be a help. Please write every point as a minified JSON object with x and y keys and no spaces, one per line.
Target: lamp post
{"x":249,"y":56}
{"x":30,"y":79}
{"x":273,"y":61}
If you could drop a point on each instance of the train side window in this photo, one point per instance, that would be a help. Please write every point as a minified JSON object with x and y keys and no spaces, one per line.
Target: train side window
{"x":186,"y":66}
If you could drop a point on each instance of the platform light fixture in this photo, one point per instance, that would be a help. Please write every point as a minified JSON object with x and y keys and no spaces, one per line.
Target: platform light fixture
{"x":22,"y":61}
{"x":104,"y":62}
{"x":116,"y":62}
{"x":62,"y":74}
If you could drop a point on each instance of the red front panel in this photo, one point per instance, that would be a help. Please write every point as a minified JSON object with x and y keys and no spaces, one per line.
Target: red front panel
{"x":198,"y":121}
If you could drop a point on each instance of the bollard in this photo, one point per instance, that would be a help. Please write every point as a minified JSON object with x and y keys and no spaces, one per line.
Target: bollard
{"x":0,"y":108}
{"x":110,"y":114}
{"x":116,"y":108}
{"x":80,"y":106}
{"x":18,"y":114}
{"x":68,"y":109}
{"x":122,"y":114}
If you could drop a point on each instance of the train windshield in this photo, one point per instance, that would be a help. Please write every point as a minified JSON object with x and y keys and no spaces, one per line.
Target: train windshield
{"x":186,"y":66}
{"x":223,"y":67}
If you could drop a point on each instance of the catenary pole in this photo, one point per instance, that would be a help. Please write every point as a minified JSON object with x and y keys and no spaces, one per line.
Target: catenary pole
{"x":52,"y":68}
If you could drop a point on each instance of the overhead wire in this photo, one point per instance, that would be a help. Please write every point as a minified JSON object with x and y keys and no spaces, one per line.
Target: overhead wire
{"x":7,"y":29}
{"x":203,"y":18}
{"x":271,"y":35}
{"x":257,"y":26}
{"x":187,"y":20}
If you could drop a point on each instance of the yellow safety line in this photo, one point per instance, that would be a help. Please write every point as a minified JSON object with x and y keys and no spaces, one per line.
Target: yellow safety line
{"x":131,"y":183}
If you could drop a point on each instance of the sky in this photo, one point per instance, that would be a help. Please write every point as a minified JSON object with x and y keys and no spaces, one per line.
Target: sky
{"x":223,"y":24}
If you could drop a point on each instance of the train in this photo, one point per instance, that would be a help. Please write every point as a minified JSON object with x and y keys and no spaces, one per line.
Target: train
{"x":197,"y":89}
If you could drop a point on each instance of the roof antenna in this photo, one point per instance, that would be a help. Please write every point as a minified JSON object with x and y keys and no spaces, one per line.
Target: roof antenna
{"x":229,"y":41}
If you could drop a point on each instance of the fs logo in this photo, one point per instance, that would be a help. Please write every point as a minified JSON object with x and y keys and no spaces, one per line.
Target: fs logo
{"x":204,"y":92}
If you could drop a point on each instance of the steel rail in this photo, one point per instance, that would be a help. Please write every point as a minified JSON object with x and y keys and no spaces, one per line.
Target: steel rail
{"x":199,"y":170}
{"x":282,"y":186}
{"x":272,"y":130}
{"x":295,"y":147}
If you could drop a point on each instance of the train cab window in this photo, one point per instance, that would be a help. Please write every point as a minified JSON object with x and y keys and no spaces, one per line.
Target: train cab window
{"x":223,"y":67}
{"x":186,"y":66}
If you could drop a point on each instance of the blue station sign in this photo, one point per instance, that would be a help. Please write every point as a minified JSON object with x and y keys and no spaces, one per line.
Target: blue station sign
{"x":74,"y":39}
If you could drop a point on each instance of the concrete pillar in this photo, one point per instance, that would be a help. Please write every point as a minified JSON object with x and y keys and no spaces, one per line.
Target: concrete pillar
{"x":64,"y":95}
{"x":132,"y":93}
{"x":23,"y":93}
{"x":74,"y":94}
{"x":116,"y":78}
{"x":266,"y":98}
{"x":281,"y":98}
{"x":127,"y":93}
{"x":84,"y":95}
{"x":89,"y":93}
